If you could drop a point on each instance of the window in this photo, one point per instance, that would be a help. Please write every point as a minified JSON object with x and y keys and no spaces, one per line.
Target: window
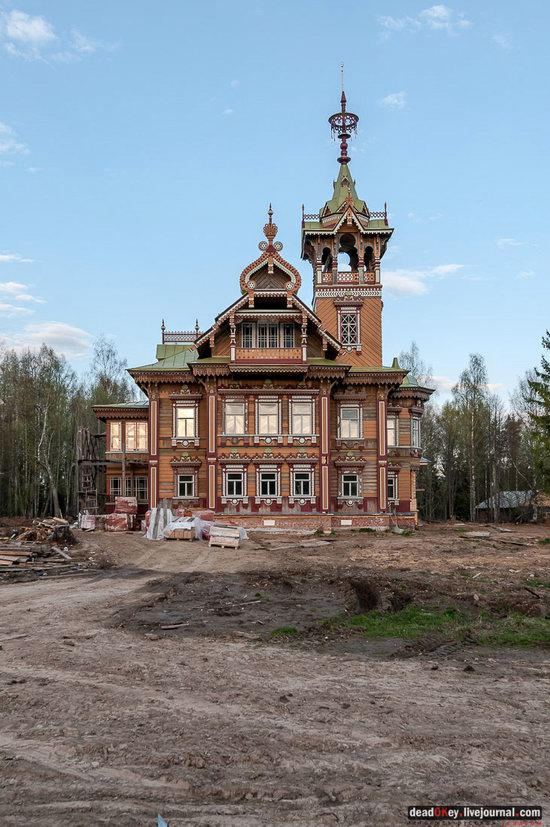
{"x":301,"y":418}
{"x":115,"y":439}
{"x":393,"y":431}
{"x":273,"y":340}
{"x":349,"y":328}
{"x":141,"y":489}
{"x":288,"y":335}
{"x":349,"y":422}
{"x":268,"y":483}
{"x":350,"y":485}
{"x":268,"y":418}
{"x":302,"y":484}
{"x":415,"y":432}
{"x":392,"y":487}
{"x":234,"y":418}
{"x":185,"y":421}
{"x":247,"y":335}
{"x":234,"y":484}
{"x":262,"y":335}
{"x":115,"y":486}
{"x":129,"y":487}
{"x":136,"y":436}
{"x":186,"y":485}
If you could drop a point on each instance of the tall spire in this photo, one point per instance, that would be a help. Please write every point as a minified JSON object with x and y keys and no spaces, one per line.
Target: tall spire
{"x":343,"y":124}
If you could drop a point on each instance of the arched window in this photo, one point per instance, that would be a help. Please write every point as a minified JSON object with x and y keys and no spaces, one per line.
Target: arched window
{"x":369,"y":259}
{"x":348,"y":258}
{"x":326,"y":260}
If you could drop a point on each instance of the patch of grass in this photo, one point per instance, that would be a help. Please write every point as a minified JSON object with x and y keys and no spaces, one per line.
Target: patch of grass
{"x":410,"y":622}
{"x":537,"y":583}
{"x":285,"y":631}
{"x":544,"y":541}
{"x":514,"y":630}
{"x":365,"y":530}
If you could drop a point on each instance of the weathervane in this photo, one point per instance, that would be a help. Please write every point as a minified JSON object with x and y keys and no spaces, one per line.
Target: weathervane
{"x":343,"y":124}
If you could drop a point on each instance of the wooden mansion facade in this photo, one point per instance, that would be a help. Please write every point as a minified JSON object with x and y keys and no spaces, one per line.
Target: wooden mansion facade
{"x":280,"y":414}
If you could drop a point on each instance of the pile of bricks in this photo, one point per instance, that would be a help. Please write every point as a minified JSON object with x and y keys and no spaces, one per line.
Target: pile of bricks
{"x":124,"y":517}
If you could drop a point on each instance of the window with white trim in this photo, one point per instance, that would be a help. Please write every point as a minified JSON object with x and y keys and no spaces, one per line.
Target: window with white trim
{"x":288,"y":335}
{"x":269,"y":483}
{"x":247,"y":335}
{"x":349,"y":327}
{"x":301,"y":418}
{"x":186,"y":421}
{"x":136,"y":436}
{"x":273,"y":335}
{"x":186,"y":486}
{"x":234,"y":418}
{"x":115,"y":486}
{"x":393,"y":491}
{"x":350,"y":486}
{"x":350,"y":422}
{"x":262,"y":335}
{"x":301,"y":484}
{"x":234,"y":484}
{"x":393,"y":432}
{"x":415,"y":432}
{"x":129,"y":492}
{"x":141,"y":489}
{"x":115,"y":436}
{"x":268,"y":418}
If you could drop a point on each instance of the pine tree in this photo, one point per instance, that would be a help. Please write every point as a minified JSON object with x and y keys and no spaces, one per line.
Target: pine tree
{"x":540,"y":397}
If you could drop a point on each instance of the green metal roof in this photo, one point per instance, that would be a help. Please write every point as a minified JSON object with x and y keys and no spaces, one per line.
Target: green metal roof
{"x":344,"y":186}
{"x":143,"y":403}
{"x":170,"y":357}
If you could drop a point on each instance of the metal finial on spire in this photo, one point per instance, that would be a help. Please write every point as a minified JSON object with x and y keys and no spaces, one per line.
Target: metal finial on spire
{"x":197,"y":328}
{"x":342,"y":76}
{"x":270,"y":231}
{"x":343,"y":124}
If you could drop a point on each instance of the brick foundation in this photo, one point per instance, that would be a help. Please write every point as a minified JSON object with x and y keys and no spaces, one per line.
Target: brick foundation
{"x":324,"y":522}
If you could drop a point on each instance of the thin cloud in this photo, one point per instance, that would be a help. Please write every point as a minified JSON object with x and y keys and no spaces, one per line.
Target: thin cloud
{"x":19,"y":292}
{"x":228,"y":111}
{"x":397,"y":100}
{"x":9,"y":142}
{"x":235,"y":83}
{"x":503,"y":41}
{"x":524,"y":275}
{"x":503,"y":243}
{"x":434,"y":18}
{"x":32,"y":37}
{"x":67,"y":339}
{"x":411,"y":282}
{"x":9,"y":310}
{"x":12,"y":258}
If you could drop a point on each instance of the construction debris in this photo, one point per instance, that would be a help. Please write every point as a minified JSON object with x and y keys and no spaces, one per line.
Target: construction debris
{"x":55,"y":530}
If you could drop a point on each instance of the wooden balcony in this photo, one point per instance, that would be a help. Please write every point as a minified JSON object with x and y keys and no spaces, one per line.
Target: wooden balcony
{"x":269,"y":354}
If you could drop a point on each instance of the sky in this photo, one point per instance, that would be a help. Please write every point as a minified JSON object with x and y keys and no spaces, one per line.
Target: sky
{"x":141,"y":144}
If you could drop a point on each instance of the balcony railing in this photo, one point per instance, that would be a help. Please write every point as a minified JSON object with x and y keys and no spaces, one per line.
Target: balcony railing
{"x":258,"y":354}
{"x":374,"y":215}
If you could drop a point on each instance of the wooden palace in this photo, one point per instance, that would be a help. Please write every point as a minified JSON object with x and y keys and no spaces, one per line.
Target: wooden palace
{"x":280,"y":414}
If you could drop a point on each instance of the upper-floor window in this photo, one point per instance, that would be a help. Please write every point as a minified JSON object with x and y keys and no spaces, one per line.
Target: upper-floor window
{"x":288,"y":335}
{"x":268,"y":418}
{"x":115,"y":438}
{"x":136,"y":436}
{"x":234,"y":417}
{"x":350,"y":422}
{"x":393,"y":431}
{"x":247,"y":335}
{"x":186,"y":421}
{"x":415,"y":432}
{"x":186,"y":486}
{"x":301,"y":418}
{"x":263,"y":335}
{"x":349,"y":327}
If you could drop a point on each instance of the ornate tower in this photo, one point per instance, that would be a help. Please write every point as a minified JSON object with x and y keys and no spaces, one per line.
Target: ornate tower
{"x":344,"y":243}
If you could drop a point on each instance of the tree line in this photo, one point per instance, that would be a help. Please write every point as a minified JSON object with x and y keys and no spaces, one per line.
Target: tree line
{"x":474,"y":445}
{"x":42,"y":404}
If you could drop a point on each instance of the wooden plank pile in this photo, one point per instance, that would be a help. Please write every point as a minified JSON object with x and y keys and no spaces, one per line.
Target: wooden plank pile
{"x":225,"y":536}
{"x":37,"y":547}
{"x":54,"y":530}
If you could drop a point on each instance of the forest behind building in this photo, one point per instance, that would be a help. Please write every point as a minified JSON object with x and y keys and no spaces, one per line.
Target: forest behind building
{"x":475,"y":444}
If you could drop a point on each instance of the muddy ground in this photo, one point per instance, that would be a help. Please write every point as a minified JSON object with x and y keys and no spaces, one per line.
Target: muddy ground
{"x":109,"y":717}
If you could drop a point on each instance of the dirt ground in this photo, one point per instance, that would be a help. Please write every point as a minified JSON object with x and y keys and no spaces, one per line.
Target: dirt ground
{"x":151,"y":682}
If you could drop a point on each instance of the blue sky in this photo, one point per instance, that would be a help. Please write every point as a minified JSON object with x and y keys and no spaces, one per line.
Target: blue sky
{"x":141,"y":143}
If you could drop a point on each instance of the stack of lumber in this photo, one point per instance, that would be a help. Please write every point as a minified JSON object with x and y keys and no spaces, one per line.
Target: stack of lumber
{"x":35,"y":556}
{"x":54,"y":530}
{"x":225,"y":536}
